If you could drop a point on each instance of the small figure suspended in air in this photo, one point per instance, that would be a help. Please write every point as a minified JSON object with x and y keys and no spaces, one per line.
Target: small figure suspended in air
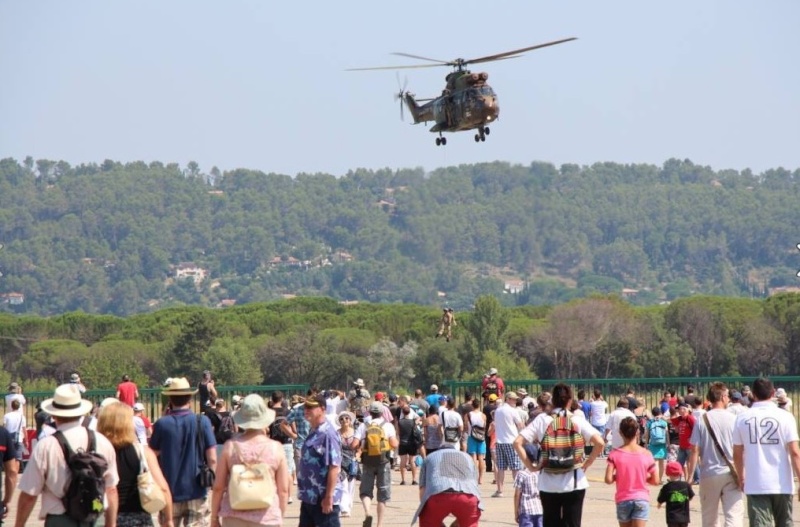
{"x":447,"y":322}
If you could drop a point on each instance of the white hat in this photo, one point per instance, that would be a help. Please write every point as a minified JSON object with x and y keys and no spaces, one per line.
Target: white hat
{"x":492,"y":371}
{"x":512,"y":395}
{"x":434,"y":388}
{"x":108,"y":400}
{"x":138,"y":407}
{"x":780,"y":393}
{"x":67,"y":402}
{"x":236,"y":399}
{"x":359,"y":383}
{"x":254,"y":414}
{"x":178,"y":386}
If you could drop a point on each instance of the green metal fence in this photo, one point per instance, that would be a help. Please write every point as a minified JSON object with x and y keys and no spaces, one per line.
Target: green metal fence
{"x":154,"y":401}
{"x":651,"y":389}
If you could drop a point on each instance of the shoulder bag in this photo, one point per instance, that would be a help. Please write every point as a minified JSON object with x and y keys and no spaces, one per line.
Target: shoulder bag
{"x":721,"y":452}
{"x":151,"y":495}
{"x":251,"y":485}
{"x":206,"y":476}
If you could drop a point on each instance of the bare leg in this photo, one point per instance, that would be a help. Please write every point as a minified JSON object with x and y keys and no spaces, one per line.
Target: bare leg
{"x":403,"y":462}
{"x":381,"y":509}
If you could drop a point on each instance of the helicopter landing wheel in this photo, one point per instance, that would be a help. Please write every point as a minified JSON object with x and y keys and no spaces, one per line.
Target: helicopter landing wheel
{"x":438,"y":141}
{"x":477,"y":138}
{"x":483,"y":138}
{"x":444,"y":141}
{"x":486,"y":130}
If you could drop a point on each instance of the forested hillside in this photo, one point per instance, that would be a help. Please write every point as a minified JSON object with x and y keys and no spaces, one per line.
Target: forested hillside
{"x":113,"y":238}
{"x":392,"y":346}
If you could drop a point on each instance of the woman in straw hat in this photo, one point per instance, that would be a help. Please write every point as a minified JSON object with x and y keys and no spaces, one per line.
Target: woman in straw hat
{"x":253,"y":446}
{"x":350,"y":444}
{"x":116,"y":423}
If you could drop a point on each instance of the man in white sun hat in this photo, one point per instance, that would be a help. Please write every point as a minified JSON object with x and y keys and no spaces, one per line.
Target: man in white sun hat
{"x":175,"y":442}
{"x":47,"y":473}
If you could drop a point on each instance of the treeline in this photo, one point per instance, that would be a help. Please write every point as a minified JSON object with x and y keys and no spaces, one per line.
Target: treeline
{"x":392,"y":346}
{"x":106,"y":238}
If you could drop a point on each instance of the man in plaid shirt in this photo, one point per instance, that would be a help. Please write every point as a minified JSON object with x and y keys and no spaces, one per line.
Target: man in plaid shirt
{"x":448,"y":484}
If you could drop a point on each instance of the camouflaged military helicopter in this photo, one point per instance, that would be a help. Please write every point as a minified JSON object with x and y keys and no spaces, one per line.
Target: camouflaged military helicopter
{"x":467,"y":101}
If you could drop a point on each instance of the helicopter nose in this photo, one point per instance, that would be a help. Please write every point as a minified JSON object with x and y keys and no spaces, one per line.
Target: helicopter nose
{"x":490,"y":109}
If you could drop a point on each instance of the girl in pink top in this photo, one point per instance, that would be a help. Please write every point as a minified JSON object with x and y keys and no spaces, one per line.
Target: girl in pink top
{"x":632,"y":467}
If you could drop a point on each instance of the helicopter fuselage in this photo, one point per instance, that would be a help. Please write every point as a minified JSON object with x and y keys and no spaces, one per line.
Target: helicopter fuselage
{"x":466,"y":103}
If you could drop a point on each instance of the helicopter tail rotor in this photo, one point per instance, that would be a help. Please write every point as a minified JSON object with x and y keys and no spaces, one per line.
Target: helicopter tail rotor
{"x":401,"y":94}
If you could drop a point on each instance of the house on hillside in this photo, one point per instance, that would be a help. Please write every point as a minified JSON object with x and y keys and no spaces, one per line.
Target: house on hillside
{"x":13,"y":299}
{"x":190,"y":270}
{"x":629,"y":293}
{"x":514,"y":286}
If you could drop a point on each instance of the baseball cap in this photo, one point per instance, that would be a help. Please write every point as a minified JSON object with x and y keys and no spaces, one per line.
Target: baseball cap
{"x":493,"y":397}
{"x":375,"y":408}
{"x":138,"y":407}
{"x":683,"y":405}
{"x":674,"y":469}
{"x":434,"y":388}
{"x":745,"y":389}
{"x":736,"y":395}
{"x":492,"y":371}
{"x":512,"y":395}
{"x":379,"y":396}
{"x":780,"y":393}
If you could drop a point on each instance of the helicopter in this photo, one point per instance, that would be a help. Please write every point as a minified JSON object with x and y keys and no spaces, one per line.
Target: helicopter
{"x":467,"y":102}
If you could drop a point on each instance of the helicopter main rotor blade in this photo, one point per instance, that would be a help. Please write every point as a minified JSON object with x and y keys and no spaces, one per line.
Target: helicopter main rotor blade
{"x":500,"y":56}
{"x":409,"y":55}
{"x":397,"y":67}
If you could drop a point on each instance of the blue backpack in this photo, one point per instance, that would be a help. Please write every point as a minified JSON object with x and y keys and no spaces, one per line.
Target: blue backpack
{"x":658,"y":432}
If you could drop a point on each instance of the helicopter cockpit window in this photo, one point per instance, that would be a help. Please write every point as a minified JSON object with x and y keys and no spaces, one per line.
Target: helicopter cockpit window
{"x":485,"y":90}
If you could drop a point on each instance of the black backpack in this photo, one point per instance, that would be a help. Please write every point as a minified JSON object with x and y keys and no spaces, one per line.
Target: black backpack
{"x":84,"y":496}
{"x":225,"y":429}
{"x":276,"y":431}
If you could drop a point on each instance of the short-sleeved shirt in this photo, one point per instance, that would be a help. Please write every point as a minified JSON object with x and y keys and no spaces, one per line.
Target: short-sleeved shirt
{"x":559,"y":483}
{"x":322,"y":449}
{"x":528,"y":484}
{"x":12,"y":397}
{"x":613,"y":423}
{"x":175,"y":440}
{"x":14,"y":422}
{"x":47,"y":473}
{"x":599,"y":412}
{"x":765,"y":431}
{"x":711,"y":463}
{"x":506,"y":420}
{"x":453,"y":419}
{"x":632,"y":470}
{"x":676,"y":494}
{"x":127,"y":392}
{"x":684,"y":426}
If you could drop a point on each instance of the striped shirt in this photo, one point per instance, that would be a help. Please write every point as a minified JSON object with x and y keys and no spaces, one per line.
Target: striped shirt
{"x":528,"y":484}
{"x":447,"y":470}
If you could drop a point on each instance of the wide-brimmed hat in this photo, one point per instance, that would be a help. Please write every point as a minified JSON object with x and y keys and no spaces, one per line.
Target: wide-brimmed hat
{"x":253,"y":414}
{"x":522,"y":391}
{"x":359,"y":383}
{"x":316,"y":400}
{"x":67,"y":402}
{"x":178,"y":386}
{"x":351,"y":415}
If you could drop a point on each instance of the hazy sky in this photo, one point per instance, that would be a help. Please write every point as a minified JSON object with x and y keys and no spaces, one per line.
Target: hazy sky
{"x":261,"y":84}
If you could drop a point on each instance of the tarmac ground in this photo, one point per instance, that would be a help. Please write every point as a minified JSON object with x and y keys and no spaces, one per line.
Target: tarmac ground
{"x":598,"y":508}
